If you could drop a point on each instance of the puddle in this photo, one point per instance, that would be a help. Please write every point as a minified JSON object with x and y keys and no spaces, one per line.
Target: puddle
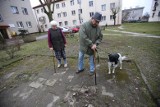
{"x":122,"y":76}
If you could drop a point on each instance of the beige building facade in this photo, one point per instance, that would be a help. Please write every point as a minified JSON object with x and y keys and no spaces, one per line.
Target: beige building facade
{"x":69,"y":13}
{"x":155,"y":11}
{"x":16,"y":14}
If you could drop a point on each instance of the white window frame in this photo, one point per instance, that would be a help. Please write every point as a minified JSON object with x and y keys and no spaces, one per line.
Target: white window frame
{"x":79,"y":11}
{"x":73,"y":12}
{"x":90,"y":3}
{"x":111,"y":17}
{"x":103,"y":18}
{"x":112,"y":5}
{"x":103,"y":7}
{"x":24,"y":11}
{"x":65,"y":23}
{"x":20,"y":24}
{"x":37,"y":11}
{"x":64,"y":14}
{"x":28,"y":23}
{"x":74,"y":22}
{"x":72,"y":2}
{"x":1,"y":19}
{"x":59,"y":15}
{"x":45,"y":25}
{"x":14,"y":9}
{"x":42,"y":10}
{"x":57,"y":6}
{"x":63,"y":4}
{"x":91,"y":14}
{"x":78,"y":1}
{"x":60,"y":24}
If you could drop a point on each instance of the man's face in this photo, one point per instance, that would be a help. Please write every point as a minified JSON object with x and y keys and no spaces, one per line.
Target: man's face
{"x":95,"y":23}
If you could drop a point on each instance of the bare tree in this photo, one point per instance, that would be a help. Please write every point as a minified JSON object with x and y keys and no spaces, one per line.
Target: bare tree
{"x":115,"y":11}
{"x":48,"y":9}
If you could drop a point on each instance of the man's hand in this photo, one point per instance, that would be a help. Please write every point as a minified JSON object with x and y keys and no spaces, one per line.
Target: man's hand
{"x":93,"y":47}
{"x":65,"y":45}
{"x":51,"y":49}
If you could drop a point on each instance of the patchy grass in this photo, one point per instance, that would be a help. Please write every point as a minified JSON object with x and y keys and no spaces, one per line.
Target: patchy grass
{"x":146,"y":28}
{"x":145,"y":51}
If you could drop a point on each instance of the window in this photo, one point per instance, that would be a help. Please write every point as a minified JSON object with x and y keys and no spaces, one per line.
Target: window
{"x":153,"y":15}
{"x":20,"y":24}
{"x":72,"y":2}
{"x":79,"y":1}
{"x":74,"y":22}
{"x":60,"y":24}
{"x":73,"y":12}
{"x":65,"y":14}
{"x":37,"y":11}
{"x":24,"y":11}
{"x":66,"y":23}
{"x":103,"y":7}
{"x":45,"y":25}
{"x":1,"y":18}
{"x":103,"y":18}
{"x":111,"y":17}
{"x":14,"y":10}
{"x":59,"y":15}
{"x":90,"y":3}
{"x":57,"y":6}
{"x":159,"y":14}
{"x":63,"y":4}
{"x":91,"y":14}
{"x":112,"y":5}
{"x":42,"y":10}
{"x":28,"y":24}
{"x":79,"y":11}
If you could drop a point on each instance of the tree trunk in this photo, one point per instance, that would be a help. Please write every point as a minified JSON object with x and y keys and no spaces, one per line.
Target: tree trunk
{"x":114,"y":17}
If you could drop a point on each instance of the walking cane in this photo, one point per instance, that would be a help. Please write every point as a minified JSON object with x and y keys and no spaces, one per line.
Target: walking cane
{"x":54,"y":62}
{"x":95,"y":67}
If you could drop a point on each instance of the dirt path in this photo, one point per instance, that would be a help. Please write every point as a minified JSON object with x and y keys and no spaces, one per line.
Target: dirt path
{"x":136,"y":34}
{"x":33,"y":83}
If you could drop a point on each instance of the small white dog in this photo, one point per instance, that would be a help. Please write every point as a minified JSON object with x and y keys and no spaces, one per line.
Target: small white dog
{"x":114,"y":59}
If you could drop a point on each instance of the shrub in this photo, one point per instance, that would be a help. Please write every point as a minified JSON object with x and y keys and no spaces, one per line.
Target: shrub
{"x":30,"y":38}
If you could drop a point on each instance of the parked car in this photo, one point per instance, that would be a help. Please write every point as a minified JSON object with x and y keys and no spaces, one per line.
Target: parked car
{"x":65,"y":29}
{"x":75,"y":29}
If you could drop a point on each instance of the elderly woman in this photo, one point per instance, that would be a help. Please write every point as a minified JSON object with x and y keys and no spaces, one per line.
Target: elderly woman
{"x":57,"y":42}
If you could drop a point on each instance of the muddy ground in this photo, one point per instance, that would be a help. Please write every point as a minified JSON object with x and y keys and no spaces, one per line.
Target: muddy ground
{"x":32,"y":82}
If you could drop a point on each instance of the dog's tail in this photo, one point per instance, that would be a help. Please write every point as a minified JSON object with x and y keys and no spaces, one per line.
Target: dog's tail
{"x":123,"y":58}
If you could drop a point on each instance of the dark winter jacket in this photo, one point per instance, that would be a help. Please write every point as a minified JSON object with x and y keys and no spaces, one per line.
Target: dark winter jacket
{"x":56,"y":39}
{"x":88,"y":36}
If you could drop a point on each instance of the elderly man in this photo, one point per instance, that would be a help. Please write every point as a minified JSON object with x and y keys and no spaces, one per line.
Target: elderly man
{"x":57,"y":42}
{"x":90,"y":36}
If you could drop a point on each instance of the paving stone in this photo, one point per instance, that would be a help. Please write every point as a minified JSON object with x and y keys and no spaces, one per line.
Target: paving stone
{"x":51,"y":82}
{"x":106,"y":93}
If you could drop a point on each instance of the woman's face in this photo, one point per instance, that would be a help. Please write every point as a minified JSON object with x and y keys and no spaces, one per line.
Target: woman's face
{"x":54,"y":27}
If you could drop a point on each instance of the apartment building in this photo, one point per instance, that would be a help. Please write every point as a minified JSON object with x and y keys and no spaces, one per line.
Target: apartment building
{"x":132,"y":14}
{"x":15,"y":15}
{"x":155,"y":11}
{"x":74,"y":12}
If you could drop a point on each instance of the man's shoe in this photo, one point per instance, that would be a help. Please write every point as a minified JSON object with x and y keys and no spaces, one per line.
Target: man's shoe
{"x":91,"y":73}
{"x":59,"y":65}
{"x":79,"y":71}
{"x":65,"y":65}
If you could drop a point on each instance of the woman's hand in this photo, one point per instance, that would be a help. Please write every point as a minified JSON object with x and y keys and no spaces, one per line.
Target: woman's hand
{"x":51,"y":49}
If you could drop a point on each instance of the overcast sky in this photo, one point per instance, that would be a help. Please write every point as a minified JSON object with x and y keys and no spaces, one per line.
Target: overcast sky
{"x":126,"y":4}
